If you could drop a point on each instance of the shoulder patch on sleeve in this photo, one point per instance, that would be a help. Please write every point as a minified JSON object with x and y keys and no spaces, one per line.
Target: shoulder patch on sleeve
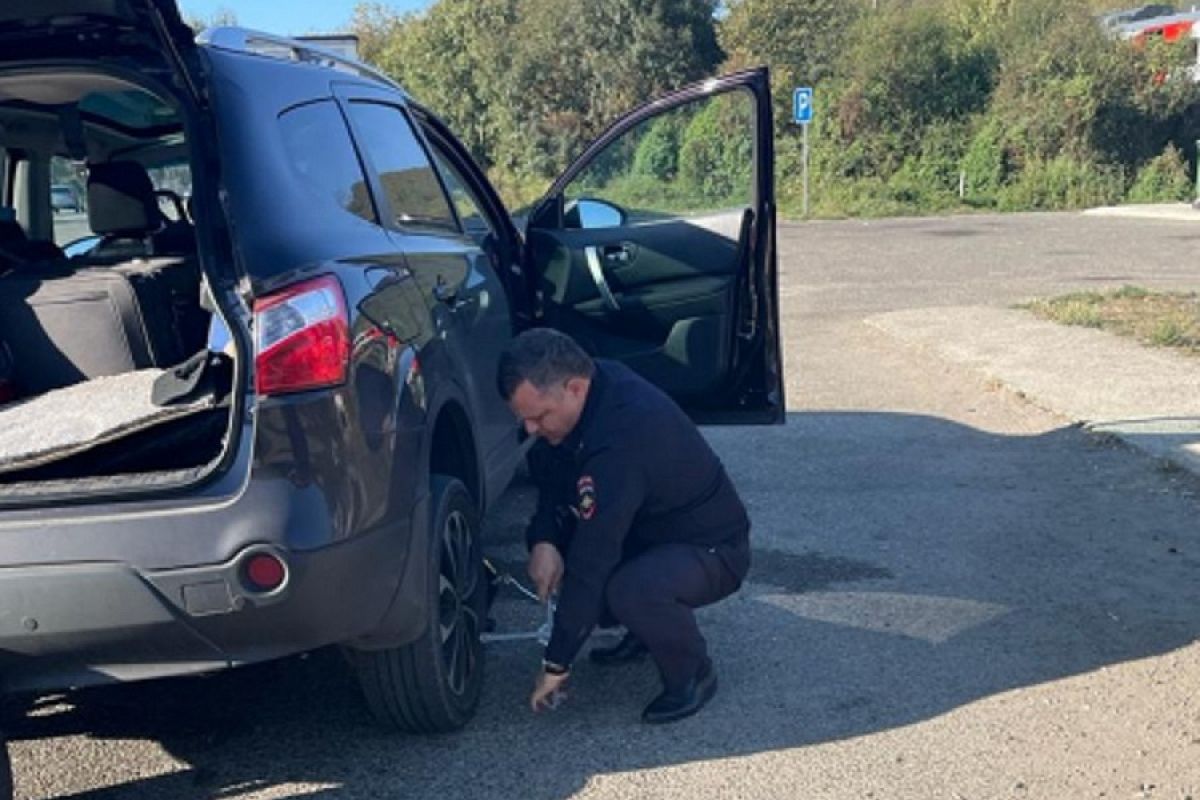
{"x":587,"y":497}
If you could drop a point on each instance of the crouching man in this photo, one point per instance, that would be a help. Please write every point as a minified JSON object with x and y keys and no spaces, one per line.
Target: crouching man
{"x":637,"y":521}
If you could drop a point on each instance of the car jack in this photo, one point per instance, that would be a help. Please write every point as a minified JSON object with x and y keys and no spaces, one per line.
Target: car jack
{"x":497,"y":579}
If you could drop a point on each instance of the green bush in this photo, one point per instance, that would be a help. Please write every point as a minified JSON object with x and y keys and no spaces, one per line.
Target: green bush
{"x":1164,"y":178}
{"x":916,"y":186}
{"x":1030,"y":100}
{"x":925,"y":92}
{"x":985,"y":164}
{"x":929,"y":180}
{"x":1064,"y":182}
{"x":644,"y":197}
{"x":838,"y":199}
{"x":658,"y":152}
{"x":905,"y":71}
{"x":716,"y":154}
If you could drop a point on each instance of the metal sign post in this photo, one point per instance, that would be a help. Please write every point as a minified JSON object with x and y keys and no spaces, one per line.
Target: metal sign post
{"x":802,"y":113}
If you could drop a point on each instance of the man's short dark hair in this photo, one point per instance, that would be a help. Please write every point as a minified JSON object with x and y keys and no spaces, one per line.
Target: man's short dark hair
{"x":545,"y":358}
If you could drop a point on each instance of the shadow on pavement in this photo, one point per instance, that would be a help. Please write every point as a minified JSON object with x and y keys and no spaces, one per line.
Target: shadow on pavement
{"x":906,"y":566}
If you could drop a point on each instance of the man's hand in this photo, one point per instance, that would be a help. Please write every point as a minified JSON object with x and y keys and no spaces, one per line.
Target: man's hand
{"x":548,"y":691}
{"x":545,"y":569}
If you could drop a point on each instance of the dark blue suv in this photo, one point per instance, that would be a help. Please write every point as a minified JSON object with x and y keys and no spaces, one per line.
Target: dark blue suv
{"x":264,"y":420}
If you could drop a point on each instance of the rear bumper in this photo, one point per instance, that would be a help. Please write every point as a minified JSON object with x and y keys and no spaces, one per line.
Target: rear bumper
{"x":128,"y":590}
{"x":81,"y":624}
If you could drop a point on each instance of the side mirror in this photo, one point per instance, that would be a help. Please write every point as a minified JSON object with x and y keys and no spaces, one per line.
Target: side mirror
{"x":590,"y":213}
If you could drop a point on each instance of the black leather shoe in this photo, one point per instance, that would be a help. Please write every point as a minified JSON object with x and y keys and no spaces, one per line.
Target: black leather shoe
{"x":626,"y":651}
{"x":673,"y":706}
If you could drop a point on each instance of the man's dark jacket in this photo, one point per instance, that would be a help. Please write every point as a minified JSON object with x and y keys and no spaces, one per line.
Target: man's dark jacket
{"x":634,"y":473}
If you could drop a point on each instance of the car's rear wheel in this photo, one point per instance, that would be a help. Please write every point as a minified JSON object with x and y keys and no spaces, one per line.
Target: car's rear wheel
{"x":433,"y":684}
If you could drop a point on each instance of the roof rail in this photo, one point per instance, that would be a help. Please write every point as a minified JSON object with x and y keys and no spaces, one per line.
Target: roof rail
{"x":245,"y":40}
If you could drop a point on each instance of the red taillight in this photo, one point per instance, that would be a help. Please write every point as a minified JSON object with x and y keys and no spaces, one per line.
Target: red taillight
{"x":1176,"y":31}
{"x":302,"y":337}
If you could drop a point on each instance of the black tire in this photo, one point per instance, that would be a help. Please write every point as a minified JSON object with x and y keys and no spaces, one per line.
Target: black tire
{"x":433,"y":684}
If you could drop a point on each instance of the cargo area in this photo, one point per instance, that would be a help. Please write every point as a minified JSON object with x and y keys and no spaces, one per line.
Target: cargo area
{"x":111,"y":359}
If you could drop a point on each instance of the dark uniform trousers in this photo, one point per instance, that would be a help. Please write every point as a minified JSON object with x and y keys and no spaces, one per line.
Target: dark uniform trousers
{"x":653,"y":595}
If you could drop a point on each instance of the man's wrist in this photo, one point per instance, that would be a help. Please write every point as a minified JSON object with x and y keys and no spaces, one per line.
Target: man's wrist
{"x":552,"y":668}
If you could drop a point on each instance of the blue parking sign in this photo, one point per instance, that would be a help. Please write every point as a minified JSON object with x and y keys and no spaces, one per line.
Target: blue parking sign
{"x":802,"y":105}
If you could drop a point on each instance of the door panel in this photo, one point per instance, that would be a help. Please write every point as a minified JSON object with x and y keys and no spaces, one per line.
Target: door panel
{"x":661,"y":298}
{"x":657,"y":249}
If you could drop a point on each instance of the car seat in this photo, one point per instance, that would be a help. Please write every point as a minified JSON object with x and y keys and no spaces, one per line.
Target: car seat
{"x":131,"y":302}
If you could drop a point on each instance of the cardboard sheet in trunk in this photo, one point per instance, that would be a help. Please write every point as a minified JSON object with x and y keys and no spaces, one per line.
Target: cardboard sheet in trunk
{"x":71,"y":420}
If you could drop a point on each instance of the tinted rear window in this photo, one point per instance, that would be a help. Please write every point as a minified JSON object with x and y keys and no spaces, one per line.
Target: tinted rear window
{"x":321,"y":151}
{"x":409,"y":182}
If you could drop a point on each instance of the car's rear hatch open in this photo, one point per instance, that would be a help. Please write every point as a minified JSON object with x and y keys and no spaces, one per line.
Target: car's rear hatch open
{"x":145,"y":32}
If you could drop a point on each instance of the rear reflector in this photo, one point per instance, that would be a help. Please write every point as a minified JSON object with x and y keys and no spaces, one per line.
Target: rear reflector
{"x":264,"y":572}
{"x":302,"y":337}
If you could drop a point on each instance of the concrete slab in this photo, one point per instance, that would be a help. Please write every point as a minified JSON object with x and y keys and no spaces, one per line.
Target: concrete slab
{"x":1180,"y":212}
{"x":1148,"y":398}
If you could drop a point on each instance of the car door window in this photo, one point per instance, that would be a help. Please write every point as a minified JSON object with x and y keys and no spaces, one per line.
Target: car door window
{"x":465,"y":203}
{"x":692,"y":160}
{"x":320,"y":151}
{"x":68,"y":182}
{"x":656,"y":248}
{"x":173,"y":189}
{"x":412,"y":192}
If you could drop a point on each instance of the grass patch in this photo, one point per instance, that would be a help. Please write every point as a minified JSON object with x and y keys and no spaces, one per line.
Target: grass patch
{"x":1160,"y":319}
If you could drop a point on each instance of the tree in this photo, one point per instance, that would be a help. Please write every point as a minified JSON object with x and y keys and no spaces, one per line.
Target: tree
{"x":454,"y":58}
{"x":526,"y":83}
{"x":578,"y":64}
{"x":801,"y":41}
{"x":902,"y":73}
{"x":376,"y":27}
{"x":1065,"y":87}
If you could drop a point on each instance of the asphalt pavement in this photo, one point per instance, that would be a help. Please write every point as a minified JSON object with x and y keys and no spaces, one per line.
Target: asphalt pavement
{"x":1148,"y":398}
{"x":956,"y":593}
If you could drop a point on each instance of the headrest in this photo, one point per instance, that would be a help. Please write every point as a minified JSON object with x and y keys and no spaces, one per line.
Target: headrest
{"x":121,"y":199}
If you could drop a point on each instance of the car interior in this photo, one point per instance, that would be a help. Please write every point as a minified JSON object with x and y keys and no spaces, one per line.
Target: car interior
{"x":115,"y":289}
{"x":645,"y":264}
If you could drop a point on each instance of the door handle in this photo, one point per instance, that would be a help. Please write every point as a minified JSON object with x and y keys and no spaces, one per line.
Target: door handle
{"x":618,"y":255}
{"x":592,"y":255}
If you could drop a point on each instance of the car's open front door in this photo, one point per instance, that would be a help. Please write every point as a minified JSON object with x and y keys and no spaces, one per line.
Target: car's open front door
{"x":657,"y":249}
